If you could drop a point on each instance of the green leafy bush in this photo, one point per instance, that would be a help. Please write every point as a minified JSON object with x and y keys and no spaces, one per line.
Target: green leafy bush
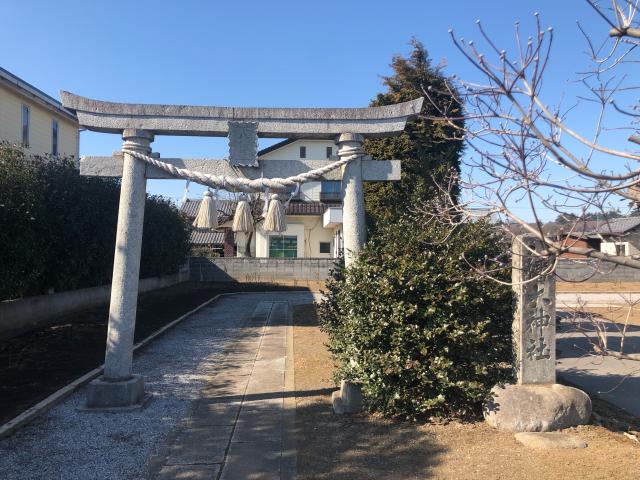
{"x":57,"y":229}
{"x":422,"y":333}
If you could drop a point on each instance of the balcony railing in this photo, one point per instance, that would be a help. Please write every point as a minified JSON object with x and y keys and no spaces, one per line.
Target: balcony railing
{"x":330,"y":196}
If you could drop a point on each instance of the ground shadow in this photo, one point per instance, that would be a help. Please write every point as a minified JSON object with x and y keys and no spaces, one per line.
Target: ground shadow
{"x":360,"y":446}
{"x":571,"y":342}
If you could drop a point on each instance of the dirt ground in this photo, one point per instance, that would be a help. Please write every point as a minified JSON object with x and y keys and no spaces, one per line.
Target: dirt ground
{"x":367,"y":447}
{"x":36,"y":364}
{"x":619,"y":311}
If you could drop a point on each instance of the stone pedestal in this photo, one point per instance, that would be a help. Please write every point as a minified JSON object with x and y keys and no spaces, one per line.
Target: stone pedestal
{"x":103,"y":394}
{"x":348,"y":399}
{"x":537,"y":408}
{"x":118,"y":387}
{"x":536,"y":403}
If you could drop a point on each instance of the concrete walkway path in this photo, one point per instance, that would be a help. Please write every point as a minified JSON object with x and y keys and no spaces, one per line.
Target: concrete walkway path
{"x":220,"y":406}
{"x":236,"y":429}
{"x":614,"y":380}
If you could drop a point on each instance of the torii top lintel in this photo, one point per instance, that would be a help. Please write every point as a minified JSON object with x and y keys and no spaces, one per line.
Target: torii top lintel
{"x":322,"y":123}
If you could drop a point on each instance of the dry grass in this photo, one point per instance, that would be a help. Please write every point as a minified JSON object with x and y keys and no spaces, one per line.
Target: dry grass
{"x":368,"y":447}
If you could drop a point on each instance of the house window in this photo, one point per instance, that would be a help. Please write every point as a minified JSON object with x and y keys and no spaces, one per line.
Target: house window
{"x":329,"y":152}
{"x":331,"y":191}
{"x":25,"y":126}
{"x":621,"y":249}
{"x":54,"y":137}
{"x":283,"y":246}
{"x":303,"y":152}
{"x":325,"y":247}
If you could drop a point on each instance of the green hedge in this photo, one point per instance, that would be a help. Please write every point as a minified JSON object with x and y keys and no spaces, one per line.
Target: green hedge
{"x":424,"y":335}
{"x":57,"y":229}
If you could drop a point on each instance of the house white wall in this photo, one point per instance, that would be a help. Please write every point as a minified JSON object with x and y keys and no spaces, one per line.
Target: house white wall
{"x":310,"y":191}
{"x":308,"y":229}
{"x":316,"y":150}
{"x":309,"y":232}
{"x":609,"y":247}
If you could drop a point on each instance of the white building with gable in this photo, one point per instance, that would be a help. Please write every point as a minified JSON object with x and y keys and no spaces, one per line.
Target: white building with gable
{"x":314,"y":217}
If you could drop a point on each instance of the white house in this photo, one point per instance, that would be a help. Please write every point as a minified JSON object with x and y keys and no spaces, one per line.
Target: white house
{"x":314,"y":217}
{"x":311,"y":230}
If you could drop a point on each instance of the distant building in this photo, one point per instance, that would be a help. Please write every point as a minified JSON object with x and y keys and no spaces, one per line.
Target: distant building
{"x":34,"y":120}
{"x":314,"y":218}
{"x":615,"y":236}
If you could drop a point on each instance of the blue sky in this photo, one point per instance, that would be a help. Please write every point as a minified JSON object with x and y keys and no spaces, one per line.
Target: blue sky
{"x":253,"y":53}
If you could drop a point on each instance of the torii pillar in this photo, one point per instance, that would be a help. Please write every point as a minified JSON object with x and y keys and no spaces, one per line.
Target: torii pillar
{"x":353,"y":217}
{"x":118,"y":387}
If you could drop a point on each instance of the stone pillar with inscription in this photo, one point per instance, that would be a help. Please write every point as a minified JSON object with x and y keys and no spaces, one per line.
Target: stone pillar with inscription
{"x":534,"y":325}
{"x":536,"y":403}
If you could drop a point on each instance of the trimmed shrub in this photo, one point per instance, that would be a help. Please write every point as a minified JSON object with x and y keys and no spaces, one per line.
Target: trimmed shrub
{"x":424,"y":335}
{"x":57,"y":228}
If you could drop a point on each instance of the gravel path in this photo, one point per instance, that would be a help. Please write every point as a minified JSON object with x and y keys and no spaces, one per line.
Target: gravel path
{"x":68,"y":444}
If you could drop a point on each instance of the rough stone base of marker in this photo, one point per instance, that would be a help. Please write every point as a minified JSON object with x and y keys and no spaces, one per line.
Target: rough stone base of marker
{"x":537,"y":408}
{"x":550,"y":440}
{"x":348,"y":399}
{"x":103,"y":394}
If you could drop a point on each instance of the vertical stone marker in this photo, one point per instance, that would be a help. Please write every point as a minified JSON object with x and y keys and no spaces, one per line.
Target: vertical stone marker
{"x":534,"y":324}
{"x":536,"y":403}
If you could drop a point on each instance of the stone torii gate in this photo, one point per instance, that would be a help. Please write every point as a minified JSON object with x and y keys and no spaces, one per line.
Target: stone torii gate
{"x":140,"y":123}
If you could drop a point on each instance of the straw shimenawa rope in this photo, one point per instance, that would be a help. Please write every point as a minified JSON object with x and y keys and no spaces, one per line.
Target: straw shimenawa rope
{"x":245,"y":184}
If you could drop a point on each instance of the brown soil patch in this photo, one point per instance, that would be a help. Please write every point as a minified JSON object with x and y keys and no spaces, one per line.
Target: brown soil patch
{"x":367,"y":447}
{"x":36,"y":364}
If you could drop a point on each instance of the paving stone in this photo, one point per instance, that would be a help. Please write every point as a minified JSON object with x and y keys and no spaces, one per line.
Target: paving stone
{"x":262,"y":403}
{"x":258,"y":430}
{"x":241,"y":409}
{"x":189,"y":472}
{"x":202,"y":445}
{"x":253,"y":461}
{"x":214,"y":413}
{"x":551,"y":440}
{"x":224,"y":386}
{"x":270,"y":364}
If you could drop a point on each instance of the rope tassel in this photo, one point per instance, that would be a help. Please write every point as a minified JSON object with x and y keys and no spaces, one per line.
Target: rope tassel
{"x":243,"y":220}
{"x":207,"y":216}
{"x":276,"y":220}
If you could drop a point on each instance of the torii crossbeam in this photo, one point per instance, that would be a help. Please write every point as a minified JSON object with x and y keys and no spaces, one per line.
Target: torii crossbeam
{"x":140,"y":123}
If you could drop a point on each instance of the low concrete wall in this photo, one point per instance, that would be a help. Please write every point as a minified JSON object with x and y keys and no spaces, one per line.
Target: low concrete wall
{"x":26,"y":314}
{"x":572,"y":270}
{"x":291,"y":271}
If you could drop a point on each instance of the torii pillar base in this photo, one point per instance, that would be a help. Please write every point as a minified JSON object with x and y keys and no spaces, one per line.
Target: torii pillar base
{"x":123,"y":395}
